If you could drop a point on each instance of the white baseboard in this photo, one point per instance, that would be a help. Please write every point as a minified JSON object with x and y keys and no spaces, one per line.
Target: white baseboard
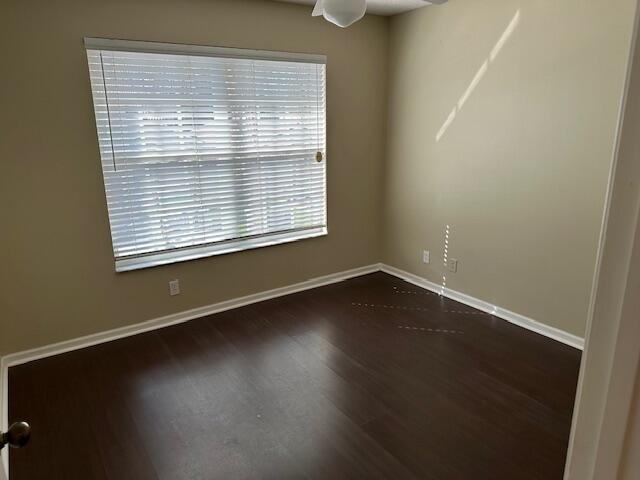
{"x":180,"y":317}
{"x":512,"y":317}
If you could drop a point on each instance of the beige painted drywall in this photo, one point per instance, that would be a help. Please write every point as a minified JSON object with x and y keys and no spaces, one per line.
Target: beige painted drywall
{"x":512,"y":165}
{"x":501,"y":125}
{"x":57,"y":277}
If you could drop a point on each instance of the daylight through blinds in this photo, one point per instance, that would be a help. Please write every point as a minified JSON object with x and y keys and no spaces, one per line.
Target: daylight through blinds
{"x":198,"y":150}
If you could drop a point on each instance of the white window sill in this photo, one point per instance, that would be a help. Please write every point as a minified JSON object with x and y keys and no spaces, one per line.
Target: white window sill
{"x":125,"y":264}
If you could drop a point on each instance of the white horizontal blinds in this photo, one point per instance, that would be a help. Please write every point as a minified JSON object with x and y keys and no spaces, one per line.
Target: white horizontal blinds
{"x":200,"y":149}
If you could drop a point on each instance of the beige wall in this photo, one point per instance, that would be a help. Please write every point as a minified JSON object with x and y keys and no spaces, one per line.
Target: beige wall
{"x":57,"y":278}
{"x":530,"y":90}
{"x":501,"y":125}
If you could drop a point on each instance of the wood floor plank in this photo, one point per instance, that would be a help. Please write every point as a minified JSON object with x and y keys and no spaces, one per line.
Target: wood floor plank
{"x":371,"y":378}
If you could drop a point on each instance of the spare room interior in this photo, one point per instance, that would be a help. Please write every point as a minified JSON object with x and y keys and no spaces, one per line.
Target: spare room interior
{"x":319,"y":239}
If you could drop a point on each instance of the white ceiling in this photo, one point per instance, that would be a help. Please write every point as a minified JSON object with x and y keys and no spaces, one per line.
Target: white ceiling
{"x":377,"y":7}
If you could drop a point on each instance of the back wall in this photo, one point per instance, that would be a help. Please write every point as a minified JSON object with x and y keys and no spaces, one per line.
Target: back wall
{"x":57,"y":279}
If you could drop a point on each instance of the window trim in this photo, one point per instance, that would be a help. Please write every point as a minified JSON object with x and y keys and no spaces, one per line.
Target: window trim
{"x":94,"y":43}
{"x":165,"y":257}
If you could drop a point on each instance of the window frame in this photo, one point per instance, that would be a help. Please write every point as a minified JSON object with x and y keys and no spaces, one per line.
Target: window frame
{"x":168,"y":256}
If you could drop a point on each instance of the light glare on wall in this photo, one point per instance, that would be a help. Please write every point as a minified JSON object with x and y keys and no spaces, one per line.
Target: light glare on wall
{"x":515,"y":21}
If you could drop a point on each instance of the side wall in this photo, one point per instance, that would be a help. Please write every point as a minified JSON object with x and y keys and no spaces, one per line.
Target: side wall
{"x":501,"y":128}
{"x":57,"y":279}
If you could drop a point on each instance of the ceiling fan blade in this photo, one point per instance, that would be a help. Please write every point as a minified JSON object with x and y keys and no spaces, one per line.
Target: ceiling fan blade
{"x":318,"y":9}
{"x":436,"y":2}
{"x":343,"y":12}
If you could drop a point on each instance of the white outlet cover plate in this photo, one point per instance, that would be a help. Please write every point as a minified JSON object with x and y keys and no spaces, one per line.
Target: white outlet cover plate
{"x":174,"y":287}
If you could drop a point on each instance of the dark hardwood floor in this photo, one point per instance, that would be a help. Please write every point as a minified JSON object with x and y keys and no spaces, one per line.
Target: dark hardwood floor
{"x":364,"y":379}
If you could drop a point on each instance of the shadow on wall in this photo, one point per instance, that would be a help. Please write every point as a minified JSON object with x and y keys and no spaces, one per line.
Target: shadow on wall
{"x":515,"y":21}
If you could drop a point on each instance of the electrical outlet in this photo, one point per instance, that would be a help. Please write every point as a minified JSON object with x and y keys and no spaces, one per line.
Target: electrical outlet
{"x":426,"y":257}
{"x":452,"y":265}
{"x":174,"y":287}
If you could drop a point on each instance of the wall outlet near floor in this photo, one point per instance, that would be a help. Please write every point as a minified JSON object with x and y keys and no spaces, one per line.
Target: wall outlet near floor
{"x":426,"y":257}
{"x":452,"y":265}
{"x":174,"y":287}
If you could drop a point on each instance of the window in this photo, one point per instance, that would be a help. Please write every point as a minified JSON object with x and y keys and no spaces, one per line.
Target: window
{"x":207,"y":150}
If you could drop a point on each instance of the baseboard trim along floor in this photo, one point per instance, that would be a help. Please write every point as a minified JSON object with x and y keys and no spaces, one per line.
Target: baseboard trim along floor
{"x":512,"y":317}
{"x":180,"y":317}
